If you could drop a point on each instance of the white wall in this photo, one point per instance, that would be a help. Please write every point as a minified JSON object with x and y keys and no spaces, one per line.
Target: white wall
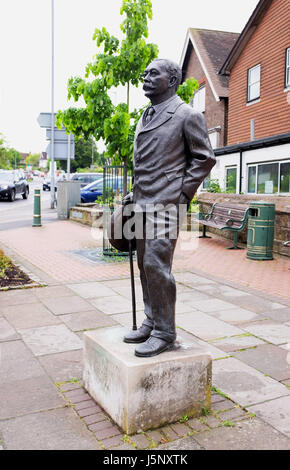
{"x":267,"y":154}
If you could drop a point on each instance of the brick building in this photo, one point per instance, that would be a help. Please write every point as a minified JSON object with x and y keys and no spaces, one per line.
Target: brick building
{"x":203,"y":55}
{"x":257,"y":157}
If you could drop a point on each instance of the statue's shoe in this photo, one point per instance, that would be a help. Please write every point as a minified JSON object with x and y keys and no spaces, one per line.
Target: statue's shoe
{"x":153,"y":346}
{"x":138,"y":336}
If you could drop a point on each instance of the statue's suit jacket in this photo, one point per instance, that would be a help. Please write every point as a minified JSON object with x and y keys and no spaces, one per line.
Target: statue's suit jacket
{"x":172,"y":154}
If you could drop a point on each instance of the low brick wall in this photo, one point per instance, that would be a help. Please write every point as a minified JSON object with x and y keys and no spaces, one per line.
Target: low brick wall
{"x":282,"y":217}
{"x":87,"y":214}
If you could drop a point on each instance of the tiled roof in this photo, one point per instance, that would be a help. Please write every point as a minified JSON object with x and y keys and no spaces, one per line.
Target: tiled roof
{"x":246,"y":34}
{"x":214,"y":47}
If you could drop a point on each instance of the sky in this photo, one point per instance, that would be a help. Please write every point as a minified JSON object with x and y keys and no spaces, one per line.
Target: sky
{"x":25,"y":51}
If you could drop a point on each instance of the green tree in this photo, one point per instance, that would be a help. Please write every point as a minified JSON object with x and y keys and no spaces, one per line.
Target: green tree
{"x":33,"y":159}
{"x":117,"y":63}
{"x":9,"y":157}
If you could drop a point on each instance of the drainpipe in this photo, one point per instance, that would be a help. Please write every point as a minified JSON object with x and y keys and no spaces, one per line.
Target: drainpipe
{"x":241,"y":169}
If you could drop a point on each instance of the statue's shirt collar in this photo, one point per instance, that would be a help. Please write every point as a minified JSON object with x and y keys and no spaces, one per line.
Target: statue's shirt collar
{"x":159,"y":107}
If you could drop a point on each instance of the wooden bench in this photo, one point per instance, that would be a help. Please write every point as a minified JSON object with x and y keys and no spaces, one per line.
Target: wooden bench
{"x":225,"y":216}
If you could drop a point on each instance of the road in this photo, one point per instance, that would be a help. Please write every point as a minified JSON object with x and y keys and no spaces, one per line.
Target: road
{"x":20,"y":212}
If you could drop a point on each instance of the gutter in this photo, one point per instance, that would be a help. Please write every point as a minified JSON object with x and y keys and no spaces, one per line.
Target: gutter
{"x":255,"y":144}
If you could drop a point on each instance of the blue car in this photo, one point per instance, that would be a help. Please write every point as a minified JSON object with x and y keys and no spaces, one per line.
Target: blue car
{"x":93,"y":190}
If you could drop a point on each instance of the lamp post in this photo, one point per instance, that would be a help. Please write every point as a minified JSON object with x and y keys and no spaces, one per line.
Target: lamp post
{"x":52,"y":185}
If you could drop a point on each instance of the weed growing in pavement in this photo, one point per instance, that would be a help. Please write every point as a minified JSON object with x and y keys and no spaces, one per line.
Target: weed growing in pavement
{"x":228,"y":424}
{"x":183,"y":419}
{"x":219,"y":392}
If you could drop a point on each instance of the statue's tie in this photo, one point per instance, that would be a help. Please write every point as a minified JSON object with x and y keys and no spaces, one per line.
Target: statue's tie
{"x":149,"y":114}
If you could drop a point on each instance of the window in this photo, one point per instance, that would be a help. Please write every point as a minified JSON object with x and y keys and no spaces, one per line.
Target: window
{"x":285,"y":177}
{"x":254,"y":75}
{"x":287,"y":68}
{"x":198,"y":102}
{"x":206,"y":182}
{"x":269,"y":178}
{"x":252,"y":170}
{"x":231,"y":180}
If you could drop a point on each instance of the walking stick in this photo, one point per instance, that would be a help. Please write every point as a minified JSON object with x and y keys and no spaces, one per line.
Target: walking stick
{"x":132,"y":286}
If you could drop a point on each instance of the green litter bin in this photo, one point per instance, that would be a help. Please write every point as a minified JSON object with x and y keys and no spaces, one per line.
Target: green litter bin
{"x":260,"y":237}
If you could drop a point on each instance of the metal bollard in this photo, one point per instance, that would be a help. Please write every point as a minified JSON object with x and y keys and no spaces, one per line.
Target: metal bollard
{"x":36,"y":210}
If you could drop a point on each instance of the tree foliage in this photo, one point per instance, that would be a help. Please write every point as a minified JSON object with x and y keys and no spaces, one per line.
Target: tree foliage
{"x":8,"y":156}
{"x":116,"y":63}
{"x":187,"y":89}
{"x":33,"y":159}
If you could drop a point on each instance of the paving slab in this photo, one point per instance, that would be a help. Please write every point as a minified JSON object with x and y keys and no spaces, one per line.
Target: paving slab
{"x":279,"y":314}
{"x":191,"y":297}
{"x":62,"y":305}
{"x":16,"y":297}
{"x":256,"y":304}
{"x":269,"y":359}
{"x":126,"y":319}
{"x":126,"y":292}
{"x":236,"y":315}
{"x":213,"y":305}
{"x":115,"y":283}
{"x":191,"y":279}
{"x":114,"y":304}
{"x":29,"y":316}
{"x":269,"y":330}
{"x":250,"y":434}
{"x":276,"y":413}
{"x":244,"y":384}
{"x":186,"y":443}
{"x":50,"y":339}
{"x":17,"y":363}
{"x":90,"y":290}
{"x":63,"y":366}
{"x":227,"y":291}
{"x":87,"y":320}
{"x":52,"y":292}
{"x":7,"y":332}
{"x":214,"y":352}
{"x":49,"y":430}
{"x":235,"y":343}
{"x":206,"y":326}
{"x":31,"y":395}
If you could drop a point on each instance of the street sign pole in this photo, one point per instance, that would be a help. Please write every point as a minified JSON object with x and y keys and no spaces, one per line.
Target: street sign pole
{"x":52,"y":184}
{"x":68,"y":157}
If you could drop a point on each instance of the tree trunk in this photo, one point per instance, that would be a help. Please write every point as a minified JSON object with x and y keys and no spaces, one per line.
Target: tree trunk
{"x":126,"y":158}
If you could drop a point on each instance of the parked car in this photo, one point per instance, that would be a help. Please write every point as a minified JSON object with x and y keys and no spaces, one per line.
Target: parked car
{"x":11,"y":185}
{"x":93,"y":190}
{"x":86,"y":178}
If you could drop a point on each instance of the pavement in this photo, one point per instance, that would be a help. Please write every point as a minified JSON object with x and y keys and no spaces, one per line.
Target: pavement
{"x":237,"y":308}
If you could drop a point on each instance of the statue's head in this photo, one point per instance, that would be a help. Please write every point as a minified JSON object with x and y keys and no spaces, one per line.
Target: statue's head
{"x":162,"y":77}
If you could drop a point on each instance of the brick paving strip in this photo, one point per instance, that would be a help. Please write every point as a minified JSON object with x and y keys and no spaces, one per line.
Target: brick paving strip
{"x":224,"y":412}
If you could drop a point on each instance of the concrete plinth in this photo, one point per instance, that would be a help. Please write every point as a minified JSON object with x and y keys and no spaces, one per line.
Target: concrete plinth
{"x":145,"y":393}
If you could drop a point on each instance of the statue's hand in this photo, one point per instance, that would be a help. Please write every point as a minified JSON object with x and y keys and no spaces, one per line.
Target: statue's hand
{"x":128,"y":199}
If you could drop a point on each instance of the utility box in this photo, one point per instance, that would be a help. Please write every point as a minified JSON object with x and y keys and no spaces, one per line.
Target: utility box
{"x":68,"y":195}
{"x":260,"y":238}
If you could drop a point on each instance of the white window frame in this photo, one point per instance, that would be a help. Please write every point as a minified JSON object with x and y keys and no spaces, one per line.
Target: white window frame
{"x":231,"y":167}
{"x":265,"y":163}
{"x":198,"y":101}
{"x":250,"y":84}
{"x":287,"y":68}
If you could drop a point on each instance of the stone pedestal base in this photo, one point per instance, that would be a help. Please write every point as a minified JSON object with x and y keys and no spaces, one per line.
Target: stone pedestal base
{"x":145,"y":393}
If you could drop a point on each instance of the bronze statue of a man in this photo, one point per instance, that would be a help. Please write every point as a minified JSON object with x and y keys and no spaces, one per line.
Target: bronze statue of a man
{"x":172,"y":156}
